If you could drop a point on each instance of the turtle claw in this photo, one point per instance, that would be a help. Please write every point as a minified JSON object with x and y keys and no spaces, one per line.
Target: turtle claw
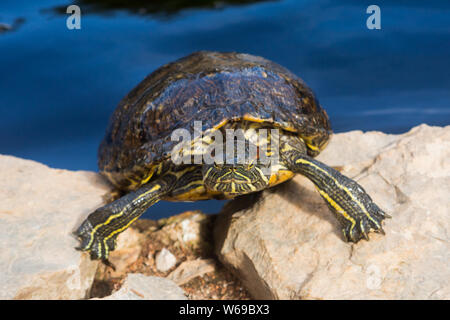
{"x":366,"y":236}
{"x":95,"y":243}
{"x":364,"y":222}
{"x":108,"y":263}
{"x":83,"y":233}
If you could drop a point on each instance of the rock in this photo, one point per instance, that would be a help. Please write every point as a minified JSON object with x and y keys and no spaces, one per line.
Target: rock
{"x":190,"y":230}
{"x":5,"y":27}
{"x":285,"y":244}
{"x":200,"y":276}
{"x":191,"y":269}
{"x":40,"y":207}
{"x":127,"y":251}
{"x":140,"y":287}
{"x":165,"y":260}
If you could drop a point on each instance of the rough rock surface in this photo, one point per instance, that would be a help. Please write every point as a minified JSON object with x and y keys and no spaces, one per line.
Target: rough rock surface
{"x":142,"y":287}
{"x":39,"y":209}
{"x":285,"y":243}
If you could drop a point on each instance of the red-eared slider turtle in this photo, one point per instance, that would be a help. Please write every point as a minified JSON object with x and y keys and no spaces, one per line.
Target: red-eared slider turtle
{"x":204,"y":94}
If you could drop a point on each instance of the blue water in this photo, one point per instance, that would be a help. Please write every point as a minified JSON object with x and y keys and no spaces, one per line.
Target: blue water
{"x":58,"y":87}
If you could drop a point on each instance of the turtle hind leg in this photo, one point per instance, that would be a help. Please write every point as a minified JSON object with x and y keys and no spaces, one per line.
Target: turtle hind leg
{"x":98,"y":233}
{"x":353,"y":207}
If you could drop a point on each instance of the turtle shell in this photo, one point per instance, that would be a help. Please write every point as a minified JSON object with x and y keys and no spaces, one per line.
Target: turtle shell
{"x":213,"y":88}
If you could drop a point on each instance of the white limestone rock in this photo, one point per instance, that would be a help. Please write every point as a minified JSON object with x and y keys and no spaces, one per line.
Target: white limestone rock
{"x":141,"y":287}
{"x":165,"y":260}
{"x":289,"y":246}
{"x":40,"y":207}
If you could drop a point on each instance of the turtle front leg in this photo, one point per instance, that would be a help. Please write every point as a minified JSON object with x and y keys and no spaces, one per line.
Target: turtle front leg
{"x":98,"y":233}
{"x":353,"y":207}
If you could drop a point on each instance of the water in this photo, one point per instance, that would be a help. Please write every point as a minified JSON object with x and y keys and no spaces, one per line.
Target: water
{"x":58,"y":87}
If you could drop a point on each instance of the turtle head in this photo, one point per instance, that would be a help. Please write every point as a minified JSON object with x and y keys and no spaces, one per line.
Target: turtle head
{"x":234,"y":179}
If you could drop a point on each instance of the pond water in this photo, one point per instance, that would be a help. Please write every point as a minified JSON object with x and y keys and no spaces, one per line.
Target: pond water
{"x":58,"y":87}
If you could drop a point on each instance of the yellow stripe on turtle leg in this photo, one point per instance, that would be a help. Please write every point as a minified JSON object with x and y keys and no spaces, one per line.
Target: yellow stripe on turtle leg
{"x":108,"y":221}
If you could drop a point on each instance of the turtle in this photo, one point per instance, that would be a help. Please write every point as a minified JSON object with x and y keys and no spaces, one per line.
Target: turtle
{"x":207,"y":95}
